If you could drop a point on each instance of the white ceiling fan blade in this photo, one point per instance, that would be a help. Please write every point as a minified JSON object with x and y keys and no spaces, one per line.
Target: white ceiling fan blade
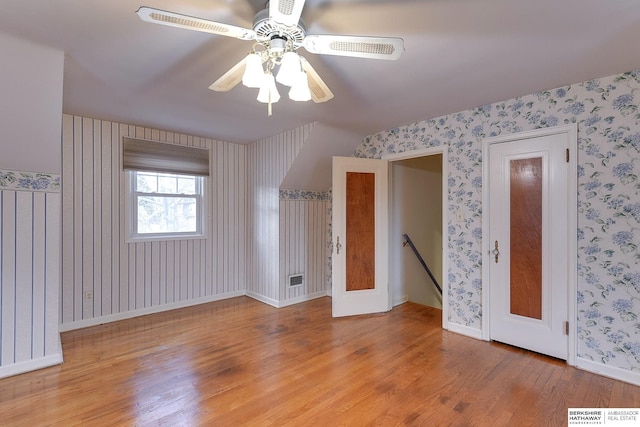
{"x":286,"y":12}
{"x":172,"y":19}
{"x":320,"y":92}
{"x":359,"y":47}
{"x":231,"y":78}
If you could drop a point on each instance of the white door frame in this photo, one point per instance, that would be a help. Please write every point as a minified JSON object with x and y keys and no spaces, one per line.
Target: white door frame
{"x":443,"y":150}
{"x":572,"y":226}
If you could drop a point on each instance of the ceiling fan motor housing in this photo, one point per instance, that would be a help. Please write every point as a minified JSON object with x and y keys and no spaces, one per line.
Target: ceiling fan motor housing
{"x":268,"y":30}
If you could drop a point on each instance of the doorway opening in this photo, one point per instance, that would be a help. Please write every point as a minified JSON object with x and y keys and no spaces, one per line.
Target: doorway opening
{"x":418,"y":197}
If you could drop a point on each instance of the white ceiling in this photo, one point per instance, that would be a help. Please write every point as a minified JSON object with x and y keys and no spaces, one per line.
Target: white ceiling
{"x":459,"y":54}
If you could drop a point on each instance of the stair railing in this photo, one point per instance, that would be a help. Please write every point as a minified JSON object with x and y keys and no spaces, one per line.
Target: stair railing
{"x":407,"y":241}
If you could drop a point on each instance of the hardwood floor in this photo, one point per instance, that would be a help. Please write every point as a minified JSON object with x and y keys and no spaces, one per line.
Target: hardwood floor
{"x":240,"y":362}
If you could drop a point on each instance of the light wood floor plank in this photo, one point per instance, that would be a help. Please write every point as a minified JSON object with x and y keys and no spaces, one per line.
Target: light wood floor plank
{"x":241,"y":362}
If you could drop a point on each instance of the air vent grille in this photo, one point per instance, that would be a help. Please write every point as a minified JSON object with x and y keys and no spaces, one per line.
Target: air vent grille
{"x":296,"y":280}
{"x":362,"y":47}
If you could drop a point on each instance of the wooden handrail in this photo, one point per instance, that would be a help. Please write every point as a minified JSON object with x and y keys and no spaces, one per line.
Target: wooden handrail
{"x":407,"y":241}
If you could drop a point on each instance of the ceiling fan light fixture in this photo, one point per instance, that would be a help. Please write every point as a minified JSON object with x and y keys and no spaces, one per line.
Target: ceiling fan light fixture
{"x":278,"y":31}
{"x":253,"y":73}
{"x":300,"y":90}
{"x":268,"y":93}
{"x":289,"y":69}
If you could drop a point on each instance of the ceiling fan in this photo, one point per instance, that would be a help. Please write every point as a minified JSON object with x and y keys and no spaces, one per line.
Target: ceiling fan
{"x":278,"y":32}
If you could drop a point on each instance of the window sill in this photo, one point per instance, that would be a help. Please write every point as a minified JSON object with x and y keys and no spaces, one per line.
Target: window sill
{"x":164,"y":238}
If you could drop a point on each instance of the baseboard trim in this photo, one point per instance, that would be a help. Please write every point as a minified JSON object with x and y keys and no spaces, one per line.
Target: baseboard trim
{"x":30,"y":365}
{"x":398,"y":301}
{"x":464,"y":330}
{"x":285,"y":303}
{"x":64,"y":327}
{"x":619,"y":374}
{"x":303,"y":298}
{"x":263,"y":299}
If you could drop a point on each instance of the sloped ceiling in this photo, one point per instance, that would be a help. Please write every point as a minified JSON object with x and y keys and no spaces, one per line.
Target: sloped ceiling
{"x":459,"y":54}
{"x":311,"y":169}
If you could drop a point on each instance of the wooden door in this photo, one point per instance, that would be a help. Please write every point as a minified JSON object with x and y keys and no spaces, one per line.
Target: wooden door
{"x":360,"y":236}
{"x":528,"y":242}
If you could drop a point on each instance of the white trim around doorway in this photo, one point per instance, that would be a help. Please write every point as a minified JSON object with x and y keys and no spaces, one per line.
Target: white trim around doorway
{"x":572,"y":226}
{"x":432,"y":151}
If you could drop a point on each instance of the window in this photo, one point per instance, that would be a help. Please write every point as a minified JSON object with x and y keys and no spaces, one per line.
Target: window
{"x":165,"y":191}
{"x":166,"y":205}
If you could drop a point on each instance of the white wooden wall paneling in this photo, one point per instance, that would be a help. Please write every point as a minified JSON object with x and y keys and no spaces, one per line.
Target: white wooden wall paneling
{"x":23,"y":275}
{"x":309,"y":243}
{"x":105,"y":301}
{"x":38,"y":269}
{"x":29,"y":280}
{"x":127,"y":277}
{"x":86,"y":221}
{"x":269,"y":160}
{"x":8,"y":279}
{"x":303,"y":239}
{"x":115,"y":230}
{"x":171,"y":271}
{"x":220,"y":229}
{"x":76,"y":224}
{"x":68,"y":209}
{"x":95,"y":305}
{"x":52,"y":275}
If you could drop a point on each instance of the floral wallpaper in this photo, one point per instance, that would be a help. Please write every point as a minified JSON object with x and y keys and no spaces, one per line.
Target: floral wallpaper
{"x":29,"y":181}
{"x":303,"y":195}
{"x":606,"y":111}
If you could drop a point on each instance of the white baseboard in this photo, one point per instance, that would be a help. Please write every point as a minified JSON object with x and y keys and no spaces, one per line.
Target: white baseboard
{"x":398,"y":301}
{"x":70,"y":326}
{"x":30,"y":365}
{"x":149,"y":310}
{"x":619,"y":374}
{"x":286,"y":303}
{"x":303,"y":298}
{"x":464,"y":330}
{"x":262,"y":298}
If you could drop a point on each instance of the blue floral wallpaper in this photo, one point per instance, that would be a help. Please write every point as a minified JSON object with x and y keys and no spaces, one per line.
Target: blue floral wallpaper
{"x":29,"y":181}
{"x":606,"y":111}
{"x":303,"y":195}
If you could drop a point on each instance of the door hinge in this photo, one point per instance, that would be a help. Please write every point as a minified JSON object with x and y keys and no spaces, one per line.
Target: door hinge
{"x":566,"y":327}
{"x":567,"y":155}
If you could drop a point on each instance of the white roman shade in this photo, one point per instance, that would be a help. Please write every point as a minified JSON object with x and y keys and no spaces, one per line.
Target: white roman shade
{"x":142,"y":155}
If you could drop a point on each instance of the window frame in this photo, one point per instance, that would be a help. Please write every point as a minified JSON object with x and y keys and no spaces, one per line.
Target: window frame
{"x":131,"y":206}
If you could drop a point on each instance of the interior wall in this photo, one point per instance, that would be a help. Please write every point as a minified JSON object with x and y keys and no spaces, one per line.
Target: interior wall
{"x":29,"y":274}
{"x":30,"y":109}
{"x":303,"y":244}
{"x":129,"y":279}
{"x":605,"y":111}
{"x":268,"y":162}
{"x":417,"y":211}
{"x":30,"y":106}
